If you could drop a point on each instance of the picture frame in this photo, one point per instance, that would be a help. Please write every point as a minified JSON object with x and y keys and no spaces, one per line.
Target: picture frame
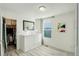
{"x":61,"y":27}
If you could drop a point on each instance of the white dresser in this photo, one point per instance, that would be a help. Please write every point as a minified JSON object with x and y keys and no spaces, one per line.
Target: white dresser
{"x":28,"y":42}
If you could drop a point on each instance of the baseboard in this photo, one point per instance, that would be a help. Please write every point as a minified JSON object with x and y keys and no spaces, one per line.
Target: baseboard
{"x":59,"y":49}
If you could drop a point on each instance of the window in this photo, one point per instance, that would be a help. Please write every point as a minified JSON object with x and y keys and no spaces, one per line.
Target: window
{"x":47,"y":27}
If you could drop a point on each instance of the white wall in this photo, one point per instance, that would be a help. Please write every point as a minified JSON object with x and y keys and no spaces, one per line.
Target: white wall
{"x":0,"y":35}
{"x":38,"y":25}
{"x":64,"y":41}
{"x":0,"y":29}
{"x":20,"y":28}
{"x":78,"y":33}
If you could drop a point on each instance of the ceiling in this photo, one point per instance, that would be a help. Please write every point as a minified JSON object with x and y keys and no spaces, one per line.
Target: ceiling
{"x":32,"y":9}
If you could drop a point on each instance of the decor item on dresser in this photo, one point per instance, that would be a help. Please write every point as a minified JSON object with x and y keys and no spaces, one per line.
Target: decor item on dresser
{"x":28,"y":25}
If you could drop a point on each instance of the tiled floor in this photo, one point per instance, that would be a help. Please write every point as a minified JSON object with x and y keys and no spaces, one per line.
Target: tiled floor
{"x":39,"y":51}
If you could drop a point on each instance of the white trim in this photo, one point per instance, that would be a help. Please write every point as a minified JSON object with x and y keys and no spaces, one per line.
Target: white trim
{"x":76,"y":29}
{"x":77,"y":42}
{"x":2,"y":50}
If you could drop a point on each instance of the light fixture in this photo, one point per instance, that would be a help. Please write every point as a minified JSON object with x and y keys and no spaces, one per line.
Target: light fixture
{"x":42,"y":8}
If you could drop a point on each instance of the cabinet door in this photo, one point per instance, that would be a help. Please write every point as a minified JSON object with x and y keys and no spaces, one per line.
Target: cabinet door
{"x":27,"y":43}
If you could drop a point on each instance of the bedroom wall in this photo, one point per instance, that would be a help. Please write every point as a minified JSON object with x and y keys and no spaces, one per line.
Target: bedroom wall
{"x":66,"y":40}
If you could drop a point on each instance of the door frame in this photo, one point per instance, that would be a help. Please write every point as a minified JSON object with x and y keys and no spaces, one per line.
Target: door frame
{"x":2,"y":47}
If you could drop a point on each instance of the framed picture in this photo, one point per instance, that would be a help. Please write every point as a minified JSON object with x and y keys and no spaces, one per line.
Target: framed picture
{"x":61,"y":27}
{"x":28,"y":25}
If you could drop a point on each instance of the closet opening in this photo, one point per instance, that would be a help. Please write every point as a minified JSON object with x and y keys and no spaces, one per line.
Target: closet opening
{"x":9,"y":34}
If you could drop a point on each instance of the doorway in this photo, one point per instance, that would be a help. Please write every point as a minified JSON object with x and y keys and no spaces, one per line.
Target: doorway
{"x":9,"y":34}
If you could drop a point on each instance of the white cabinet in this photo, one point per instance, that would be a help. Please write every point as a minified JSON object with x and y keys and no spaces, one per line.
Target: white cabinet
{"x":28,"y":42}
